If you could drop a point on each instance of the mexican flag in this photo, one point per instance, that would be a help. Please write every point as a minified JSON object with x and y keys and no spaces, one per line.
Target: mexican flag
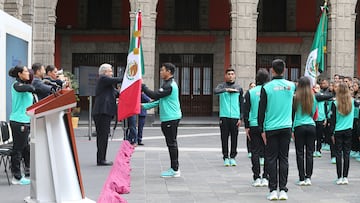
{"x":130,"y":92}
{"x":315,"y":63}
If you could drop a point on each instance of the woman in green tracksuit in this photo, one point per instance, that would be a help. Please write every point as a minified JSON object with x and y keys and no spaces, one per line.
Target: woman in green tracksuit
{"x":304,"y":130}
{"x":167,"y":98}
{"x":341,"y":124}
{"x":22,"y":97}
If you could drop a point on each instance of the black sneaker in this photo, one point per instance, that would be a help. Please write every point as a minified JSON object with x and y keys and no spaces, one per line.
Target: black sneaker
{"x":140,"y":143}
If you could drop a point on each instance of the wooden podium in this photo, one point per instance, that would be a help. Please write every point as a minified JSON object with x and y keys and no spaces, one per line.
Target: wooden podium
{"x":54,"y":163}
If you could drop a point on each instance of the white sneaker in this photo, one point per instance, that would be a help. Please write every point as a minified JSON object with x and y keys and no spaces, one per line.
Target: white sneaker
{"x":300,"y":183}
{"x":339,"y":181}
{"x":272,"y":196}
{"x":264,"y":182}
{"x":307,"y":181}
{"x":345,"y":181}
{"x":257,"y":182}
{"x":283,"y":195}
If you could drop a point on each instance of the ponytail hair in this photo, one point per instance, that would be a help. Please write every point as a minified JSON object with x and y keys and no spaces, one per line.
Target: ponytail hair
{"x":14,"y":71}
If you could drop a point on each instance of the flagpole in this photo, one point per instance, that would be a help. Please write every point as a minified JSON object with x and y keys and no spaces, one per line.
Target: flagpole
{"x":324,"y":51}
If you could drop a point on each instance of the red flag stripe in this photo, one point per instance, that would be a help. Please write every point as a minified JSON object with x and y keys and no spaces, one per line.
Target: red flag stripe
{"x":129,"y":101}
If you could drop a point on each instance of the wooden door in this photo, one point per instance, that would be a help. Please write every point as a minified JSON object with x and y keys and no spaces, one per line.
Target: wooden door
{"x":194,"y":77}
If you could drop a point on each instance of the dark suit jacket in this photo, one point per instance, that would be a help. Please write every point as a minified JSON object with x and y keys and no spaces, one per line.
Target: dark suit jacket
{"x":106,"y":94}
{"x":42,"y":90}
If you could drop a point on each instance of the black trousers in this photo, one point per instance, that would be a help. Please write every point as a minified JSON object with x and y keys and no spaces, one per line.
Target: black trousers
{"x":228,"y":128}
{"x":169,"y":129}
{"x":258,"y":149}
{"x":102,"y":125}
{"x":342,"y":150}
{"x":355,"y":146}
{"x":305,"y":137}
{"x":248,"y":145}
{"x":328,"y":140}
{"x":277,"y":154}
{"x":319,"y":134}
{"x":21,"y":147}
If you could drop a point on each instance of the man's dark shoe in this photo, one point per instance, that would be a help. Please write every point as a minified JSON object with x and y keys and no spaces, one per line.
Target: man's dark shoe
{"x":104,"y":163}
{"x":140,"y":143}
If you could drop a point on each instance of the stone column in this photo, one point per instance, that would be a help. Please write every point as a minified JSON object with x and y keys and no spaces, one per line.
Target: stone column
{"x":28,"y":12}
{"x":148,"y":34}
{"x":44,"y":31}
{"x":341,"y":38}
{"x":14,"y":8}
{"x":243,"y":40}
{"x":2,"y":4}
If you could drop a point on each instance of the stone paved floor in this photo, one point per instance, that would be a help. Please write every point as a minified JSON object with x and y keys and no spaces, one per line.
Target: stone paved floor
{"x":203,"y":177}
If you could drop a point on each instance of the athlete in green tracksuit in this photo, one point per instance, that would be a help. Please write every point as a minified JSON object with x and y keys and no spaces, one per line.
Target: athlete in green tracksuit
{"x":341,"y":124}
{"x":167,"y":98}
{"x":22,"y":97}
{"x":274,"y":119}
{"x":231,"y":100}
{"x":304,"y":130}
{"x":251,"y":108}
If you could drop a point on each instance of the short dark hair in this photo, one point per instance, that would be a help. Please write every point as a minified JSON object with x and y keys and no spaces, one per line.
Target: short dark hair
{"x":262,"y":76}
{"x":49,"y":68}
{"x":229,"y":70}
{"x":169,"y":67}
{"x":348,"y":77}
{"x":36,"y":66}
{"x":325,"y":79}
{"x":278,"y":66}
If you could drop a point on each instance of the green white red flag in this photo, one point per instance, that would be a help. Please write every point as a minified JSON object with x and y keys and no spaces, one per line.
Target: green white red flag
{"x":130,"y":92}
{"x":315,"y":63}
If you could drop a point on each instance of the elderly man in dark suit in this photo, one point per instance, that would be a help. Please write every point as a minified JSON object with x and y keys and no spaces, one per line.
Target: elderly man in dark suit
{"x":104,"y":110}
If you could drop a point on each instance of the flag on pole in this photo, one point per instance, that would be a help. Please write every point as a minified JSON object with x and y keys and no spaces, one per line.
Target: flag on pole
{"x":316,"y":61}
{"x":130,"y":92}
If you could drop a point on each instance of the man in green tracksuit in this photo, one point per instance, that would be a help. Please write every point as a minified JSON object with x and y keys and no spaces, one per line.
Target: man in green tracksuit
{"x":274,"y":119}
{"x":167,"y":98}
{"x":231,"y":100}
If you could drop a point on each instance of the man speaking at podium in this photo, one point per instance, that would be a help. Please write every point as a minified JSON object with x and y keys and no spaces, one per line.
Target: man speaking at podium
{"x":104,"y":110}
